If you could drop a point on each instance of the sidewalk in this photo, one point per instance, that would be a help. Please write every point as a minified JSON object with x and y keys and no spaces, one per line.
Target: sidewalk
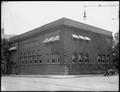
{"x":60,"y":83}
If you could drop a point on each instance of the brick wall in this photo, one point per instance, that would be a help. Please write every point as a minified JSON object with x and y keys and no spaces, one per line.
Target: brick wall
{"x":99,"y":44}
{"x":64,"y":48}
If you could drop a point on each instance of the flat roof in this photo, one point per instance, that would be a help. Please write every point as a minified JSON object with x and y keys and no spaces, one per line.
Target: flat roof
{"x":63,"y":21}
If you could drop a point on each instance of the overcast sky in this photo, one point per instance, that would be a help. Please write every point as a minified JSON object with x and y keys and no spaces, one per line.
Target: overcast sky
{"x":20,"y":17}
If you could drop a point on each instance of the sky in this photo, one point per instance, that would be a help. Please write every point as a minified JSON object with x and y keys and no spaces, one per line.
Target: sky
{"x":21,"y":16}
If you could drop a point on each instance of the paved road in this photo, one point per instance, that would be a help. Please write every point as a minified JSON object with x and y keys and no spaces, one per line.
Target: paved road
{"x":60,"y":83}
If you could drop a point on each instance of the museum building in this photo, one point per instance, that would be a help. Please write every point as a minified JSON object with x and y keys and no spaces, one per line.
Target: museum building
{"x":63,"y":47}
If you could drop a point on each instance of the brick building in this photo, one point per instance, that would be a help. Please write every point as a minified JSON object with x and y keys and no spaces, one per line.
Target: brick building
{"x":62,"y":47}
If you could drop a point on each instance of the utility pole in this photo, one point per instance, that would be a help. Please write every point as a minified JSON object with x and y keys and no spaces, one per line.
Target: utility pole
{"x":2,"y":28}
{"x":99,"y":5}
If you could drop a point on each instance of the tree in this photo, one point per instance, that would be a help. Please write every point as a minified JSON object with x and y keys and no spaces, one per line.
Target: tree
{"x":116,"y":50}
{"x":5,"y":56}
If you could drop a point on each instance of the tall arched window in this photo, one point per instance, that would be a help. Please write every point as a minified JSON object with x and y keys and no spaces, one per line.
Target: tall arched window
{"x":30,"y":57}
{"x":21,"y":58}
{"x":33,"y":56}
{"x":80,"y":58}
{"x":108,"y":58}
{"x":99,"y":58}
{"x":74,"y":58}
{"x":37,"y":55}
{"x":53,"y":59}
{"x":25,"y":55}
{"x":103,"y":58}
{"x":86,"y":58}
{"x":58,"y":58}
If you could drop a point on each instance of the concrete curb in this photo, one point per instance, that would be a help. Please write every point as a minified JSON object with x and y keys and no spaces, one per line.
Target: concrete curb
{"x":54,"y":76}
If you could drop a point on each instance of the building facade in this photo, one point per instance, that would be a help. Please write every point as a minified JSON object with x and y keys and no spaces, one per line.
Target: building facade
{"x":62,"y":47}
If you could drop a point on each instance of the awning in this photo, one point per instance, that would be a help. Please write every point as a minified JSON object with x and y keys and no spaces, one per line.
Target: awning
{"x":75,"y":36}
{"x":51,"y":39}
{"x":87,"y":38}
{"x":81,"y":37}
{"x":12,"y":48}
{"x":46,"y":40}
{"x":56,"y":38}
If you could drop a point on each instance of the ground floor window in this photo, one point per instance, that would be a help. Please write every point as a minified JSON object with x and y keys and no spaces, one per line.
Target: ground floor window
{"x":80,"y":58}
{"x":86,"y":58}
{"x":74,"y":58}
{"x":54,"y":58}
{"x":102,"y":58}
{"x":99,"y":58}
{"x":108,"y":58}
{"x":38,"y":59}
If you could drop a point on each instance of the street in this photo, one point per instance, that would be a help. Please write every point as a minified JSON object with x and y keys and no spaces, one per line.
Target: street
{"x":60,"y":83}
